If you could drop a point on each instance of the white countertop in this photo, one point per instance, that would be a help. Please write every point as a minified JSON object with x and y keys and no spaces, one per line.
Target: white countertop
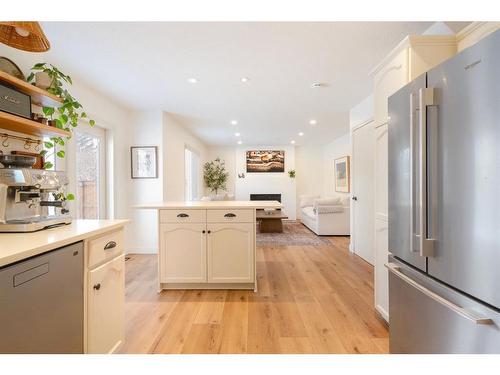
{"x":18,"y":246}
{"x":212,"y":205}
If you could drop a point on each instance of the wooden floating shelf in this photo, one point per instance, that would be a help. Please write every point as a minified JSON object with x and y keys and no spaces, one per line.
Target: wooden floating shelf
{"x":38,"y":96}
{"x":26,"y":126}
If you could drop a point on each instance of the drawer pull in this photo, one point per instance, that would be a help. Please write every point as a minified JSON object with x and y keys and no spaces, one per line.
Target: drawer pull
{"x":182,"y":215}
{"x":110,"y":245}
{"x":229,"y":215}
{"x":97,"y":286}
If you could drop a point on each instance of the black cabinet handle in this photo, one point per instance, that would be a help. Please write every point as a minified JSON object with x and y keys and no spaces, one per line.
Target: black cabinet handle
{"x":97,"y":286}
{"x":209,"y":232}
{"x":182,"y":215}
{"x":230,"y":215}
{"x":202,"y":231}
{"x":110,"y":245}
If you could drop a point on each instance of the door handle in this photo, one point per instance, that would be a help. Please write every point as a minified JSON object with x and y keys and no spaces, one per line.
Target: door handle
{"x":229,"y":215}
{"x":354,"y":198}
{"x":110,"y":245}
{"x":182,"y":215}
{"x":97,"y":286}
{"x":425,"y":98}
{"x":413,"y":235}
{"x":396,"y":270}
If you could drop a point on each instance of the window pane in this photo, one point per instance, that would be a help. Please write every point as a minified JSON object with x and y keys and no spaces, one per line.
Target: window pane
{"x":87,"y":175}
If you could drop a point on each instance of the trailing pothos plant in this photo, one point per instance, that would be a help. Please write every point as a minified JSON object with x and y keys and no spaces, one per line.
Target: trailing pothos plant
{"x":66,"y":116}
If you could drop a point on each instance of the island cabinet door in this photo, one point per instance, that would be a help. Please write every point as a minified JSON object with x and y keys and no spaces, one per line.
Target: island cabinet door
{"x":231,"y":252}
{"x":183,"y":255}
{"x":106,"y":306}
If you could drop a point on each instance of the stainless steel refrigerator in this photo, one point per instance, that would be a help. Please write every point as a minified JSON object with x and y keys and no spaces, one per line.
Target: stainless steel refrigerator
{"x":444,"y":206}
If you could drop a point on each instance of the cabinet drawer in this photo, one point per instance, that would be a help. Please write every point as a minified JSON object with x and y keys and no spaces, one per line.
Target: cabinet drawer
{"x":230,"y":216}
{"x":105,"y":247}
{"x":183,"y":216}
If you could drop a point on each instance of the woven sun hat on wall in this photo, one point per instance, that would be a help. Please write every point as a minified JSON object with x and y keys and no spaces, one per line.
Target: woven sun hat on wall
{"x":27,"y":36}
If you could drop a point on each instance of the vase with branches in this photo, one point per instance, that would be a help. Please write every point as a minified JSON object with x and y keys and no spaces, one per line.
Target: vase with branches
{"x":215,"y":175}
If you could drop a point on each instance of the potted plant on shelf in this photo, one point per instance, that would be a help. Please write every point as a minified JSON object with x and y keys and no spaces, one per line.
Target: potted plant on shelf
{"x":215,"y":175}
{"x":291,"y":173}
{"x":66,"y":116}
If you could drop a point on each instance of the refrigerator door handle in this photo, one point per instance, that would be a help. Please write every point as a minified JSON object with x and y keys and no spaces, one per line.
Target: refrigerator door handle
{"x":395,"y":270}
{"x":425,"y":98}
{"x":413,"y":235}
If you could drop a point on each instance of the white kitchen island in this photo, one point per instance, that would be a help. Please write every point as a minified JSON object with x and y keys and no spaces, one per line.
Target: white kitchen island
{"x":207,"y":244}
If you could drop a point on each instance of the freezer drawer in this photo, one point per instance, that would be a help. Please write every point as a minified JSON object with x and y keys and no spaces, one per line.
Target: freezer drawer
{"x":41,"y":303}
{"x":428,"y":317}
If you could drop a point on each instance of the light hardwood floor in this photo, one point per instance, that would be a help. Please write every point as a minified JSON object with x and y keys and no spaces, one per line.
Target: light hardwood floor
{"x":311,"y":299}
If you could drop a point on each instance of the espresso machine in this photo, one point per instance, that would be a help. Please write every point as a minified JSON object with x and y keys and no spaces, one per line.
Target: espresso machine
{"x":31,"y":200}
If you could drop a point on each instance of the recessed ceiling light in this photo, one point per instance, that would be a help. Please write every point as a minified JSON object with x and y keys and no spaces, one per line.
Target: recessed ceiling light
{"x":301,"y":134}
{"x":244,"y":79}
{"x":192,"y":80}
{"x":313,"y":122}
{"x":240,"y":142}
{"x":292,"y":142}
{"x":236,"y":134}
{"x":234,"y":122}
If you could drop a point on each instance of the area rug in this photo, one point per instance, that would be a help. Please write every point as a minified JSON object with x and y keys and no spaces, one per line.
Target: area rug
{"x":294,"y":234}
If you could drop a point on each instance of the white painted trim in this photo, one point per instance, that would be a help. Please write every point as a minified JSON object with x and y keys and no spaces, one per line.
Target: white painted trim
{"x":414,"y":40}
{"x":386,"y":122}
{"x":360,"y":125}
{"x":382,"y":312}
{"x":468,"y":30}
{"x":381,"y":216}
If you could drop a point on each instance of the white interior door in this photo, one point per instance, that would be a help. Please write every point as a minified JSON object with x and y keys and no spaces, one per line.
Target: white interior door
{"x":363,"y":144}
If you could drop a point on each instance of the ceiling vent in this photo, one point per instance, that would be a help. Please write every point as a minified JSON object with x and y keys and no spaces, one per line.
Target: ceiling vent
{"x":317,"y":85}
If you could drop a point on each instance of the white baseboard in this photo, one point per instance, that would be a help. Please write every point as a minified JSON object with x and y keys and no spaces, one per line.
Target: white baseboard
{"x":382,"y":312}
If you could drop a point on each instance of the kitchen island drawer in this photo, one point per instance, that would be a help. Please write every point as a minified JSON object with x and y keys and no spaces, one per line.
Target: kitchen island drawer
{"x":231,"y":216}
{"x":183,"y":216}
{"x":105,"y":247}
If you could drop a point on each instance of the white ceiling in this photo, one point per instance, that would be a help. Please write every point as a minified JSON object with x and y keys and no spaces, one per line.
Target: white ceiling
{"x":146,"y":66}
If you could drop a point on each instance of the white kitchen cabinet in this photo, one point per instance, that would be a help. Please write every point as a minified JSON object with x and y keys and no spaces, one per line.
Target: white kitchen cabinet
{"x":381,"y":273}
{"x":412,"y":57}
{"x":183,"y":253}
{"x":231,"y":252}
{"x":106,"y":307}
{"x":474,"y":32}
{"x":216,"y":252}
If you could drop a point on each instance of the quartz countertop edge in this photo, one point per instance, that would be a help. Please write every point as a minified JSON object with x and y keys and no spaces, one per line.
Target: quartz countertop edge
{"x":211,"y":205}
{"x":15,"y":247}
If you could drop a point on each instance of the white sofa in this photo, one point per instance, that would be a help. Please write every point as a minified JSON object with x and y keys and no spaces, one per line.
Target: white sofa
{"x":326,"y":216}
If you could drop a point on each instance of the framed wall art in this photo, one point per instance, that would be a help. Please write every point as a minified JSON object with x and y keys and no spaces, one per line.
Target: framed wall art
{"x":342,"y":175}
{"x":144,"y":161}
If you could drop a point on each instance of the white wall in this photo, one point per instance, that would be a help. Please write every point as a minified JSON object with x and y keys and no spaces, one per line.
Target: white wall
{"x":146,"y":130}
{"x":175,"y":140}
{"x":310,"y":172}
{"x":228,"y":155}
{"x":338,"y":148}
{"x":272,"y":183}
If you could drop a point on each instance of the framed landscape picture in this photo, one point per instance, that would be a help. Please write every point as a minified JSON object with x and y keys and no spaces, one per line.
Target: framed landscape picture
{"x":342,"y":176}
{"x":144,"y":161}
{"x":259,"y":161}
